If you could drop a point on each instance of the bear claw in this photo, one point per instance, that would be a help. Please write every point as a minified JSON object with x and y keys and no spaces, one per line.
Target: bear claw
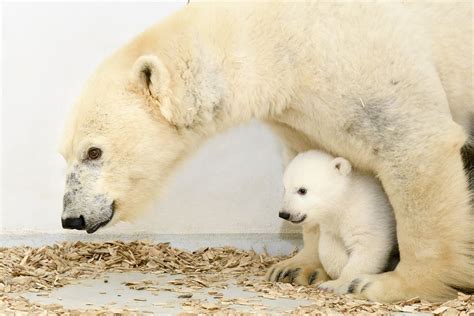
{"x":300,"y":273}
{"x":353,"y":286}
{"x":313,"y":276}
{"x":366,"y":285}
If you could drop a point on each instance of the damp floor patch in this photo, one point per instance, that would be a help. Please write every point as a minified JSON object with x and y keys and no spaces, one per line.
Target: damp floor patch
{"x":159,"y":294}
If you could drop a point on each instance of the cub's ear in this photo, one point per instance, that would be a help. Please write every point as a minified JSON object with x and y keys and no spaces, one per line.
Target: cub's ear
{"x":151,"y":74}
{"x":342,"y":165}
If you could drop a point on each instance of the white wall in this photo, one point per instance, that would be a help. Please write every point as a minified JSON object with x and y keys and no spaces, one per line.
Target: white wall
{"x":233,"y":185}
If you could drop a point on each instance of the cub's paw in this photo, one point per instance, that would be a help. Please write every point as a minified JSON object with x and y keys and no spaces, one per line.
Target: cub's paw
{"x":336,"y":286}
{"x":299,"y":273}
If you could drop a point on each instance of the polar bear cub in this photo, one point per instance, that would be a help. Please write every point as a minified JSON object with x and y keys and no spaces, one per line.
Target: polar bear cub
{"x":357,"y":224}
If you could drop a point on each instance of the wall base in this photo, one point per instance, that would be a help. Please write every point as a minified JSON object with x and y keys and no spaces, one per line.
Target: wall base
{"x":274,"y":244}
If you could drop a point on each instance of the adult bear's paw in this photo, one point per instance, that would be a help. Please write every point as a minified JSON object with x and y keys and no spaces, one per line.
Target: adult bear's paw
{"x":296,"y":272}
{"x":387,"y":287}
{"x":338,"y":286}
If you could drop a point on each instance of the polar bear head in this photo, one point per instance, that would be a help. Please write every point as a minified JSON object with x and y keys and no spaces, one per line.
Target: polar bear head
{"x":315,"y":183}
{"x":129,"y":129}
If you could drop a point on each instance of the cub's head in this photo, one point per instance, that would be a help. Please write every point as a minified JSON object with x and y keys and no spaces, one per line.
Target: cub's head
{"x":314,"y":182}
{"x":122,"y":140}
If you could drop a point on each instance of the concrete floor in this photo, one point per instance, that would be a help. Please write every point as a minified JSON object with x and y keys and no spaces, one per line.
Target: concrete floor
{"x":110,"y":293}
{"x":115,"y":295}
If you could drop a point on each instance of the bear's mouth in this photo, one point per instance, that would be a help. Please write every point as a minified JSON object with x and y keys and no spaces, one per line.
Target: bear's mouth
{"x":299,"y":220}
{"x":96,"y":227}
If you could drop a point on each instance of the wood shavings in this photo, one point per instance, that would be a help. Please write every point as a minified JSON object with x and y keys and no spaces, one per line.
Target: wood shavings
{"x":42,"y":269}
{"x":210,"y":306}
{"x":187,"y":295}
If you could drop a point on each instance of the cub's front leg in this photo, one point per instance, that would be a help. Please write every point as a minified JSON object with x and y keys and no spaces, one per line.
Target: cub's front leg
{"x":369,"y":254}
{"x":305,"y":267}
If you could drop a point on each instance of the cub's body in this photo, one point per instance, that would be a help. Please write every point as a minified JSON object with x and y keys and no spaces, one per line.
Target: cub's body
{"x":356,"y":221}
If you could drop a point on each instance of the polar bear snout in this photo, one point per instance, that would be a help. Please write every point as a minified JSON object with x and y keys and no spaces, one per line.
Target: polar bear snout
{"x":295,"y":218}
{"x":86,"y":205}
{"x":86,"y":212}
{"x":90,"y":221}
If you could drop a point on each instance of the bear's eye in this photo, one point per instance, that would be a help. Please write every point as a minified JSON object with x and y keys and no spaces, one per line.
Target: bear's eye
{"x":302,"y":191}
{"x":94,"y":153}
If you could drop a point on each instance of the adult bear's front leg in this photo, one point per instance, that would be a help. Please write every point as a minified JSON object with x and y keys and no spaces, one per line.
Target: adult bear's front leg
{"x":423,"y":176}
{"x":305,"y":267}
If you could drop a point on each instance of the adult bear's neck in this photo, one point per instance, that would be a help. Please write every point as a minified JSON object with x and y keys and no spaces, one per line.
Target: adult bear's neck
{"x":212,"y":49}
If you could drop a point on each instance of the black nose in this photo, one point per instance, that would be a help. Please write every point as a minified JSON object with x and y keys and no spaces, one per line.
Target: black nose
{"x":284,"y":215}
{"x":74,"y":223}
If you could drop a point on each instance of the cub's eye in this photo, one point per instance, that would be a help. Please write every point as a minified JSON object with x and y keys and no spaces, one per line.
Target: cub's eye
{"x":302,"y":191}
{"x":94,"y":153}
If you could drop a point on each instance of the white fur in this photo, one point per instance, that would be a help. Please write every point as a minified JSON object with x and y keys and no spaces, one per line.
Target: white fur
{"x":379,"y":83}
{"x":354,"y":216}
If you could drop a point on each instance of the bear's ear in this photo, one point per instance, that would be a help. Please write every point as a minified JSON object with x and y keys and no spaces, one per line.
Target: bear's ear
{"x":151,"y":74}
{"x":342,"y":165}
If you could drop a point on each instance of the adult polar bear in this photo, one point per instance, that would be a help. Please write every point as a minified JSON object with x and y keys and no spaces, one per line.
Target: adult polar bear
{"x":370,"y":82}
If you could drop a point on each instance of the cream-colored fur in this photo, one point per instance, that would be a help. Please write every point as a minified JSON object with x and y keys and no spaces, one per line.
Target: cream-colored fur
{"x":373,"y":82}
{"x":305,"y":267}
{"x":356,"y":222}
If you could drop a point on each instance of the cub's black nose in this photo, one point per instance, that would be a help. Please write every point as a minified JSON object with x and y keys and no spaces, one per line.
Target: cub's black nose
{"x":74,"y":223}
{"x":284,"y":215}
